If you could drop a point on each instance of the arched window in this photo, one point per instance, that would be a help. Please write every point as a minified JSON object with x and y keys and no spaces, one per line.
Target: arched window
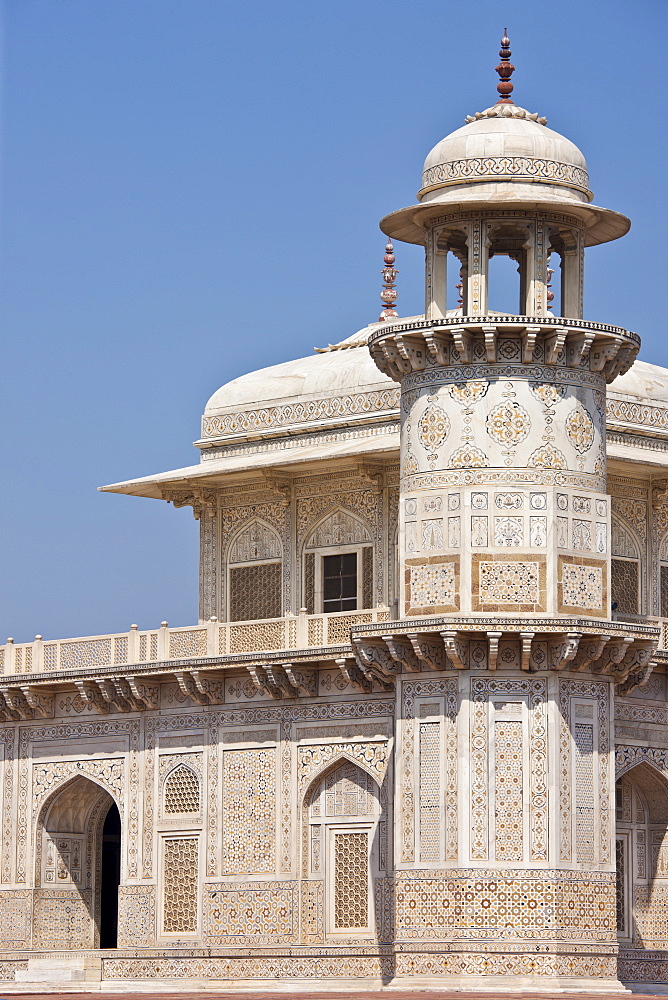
{"x":625,"y":570}
{"x":345,"y":833}
{"x":338,"y":565}
{"x":181,"y":793}
{"x":254,"y":559}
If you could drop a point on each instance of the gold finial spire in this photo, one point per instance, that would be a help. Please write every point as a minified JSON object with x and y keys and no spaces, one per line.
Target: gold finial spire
{"x":505,"y":69}
{"x":388,"y":296}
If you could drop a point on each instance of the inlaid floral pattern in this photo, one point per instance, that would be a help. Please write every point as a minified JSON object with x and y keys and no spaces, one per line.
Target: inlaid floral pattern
{"x":433,"y":427}
{"x":468,"y":457}
{"x":547,"y":457}
{"x":468,"y":393}
{"x":508,"y":423}
{"x":580,"y":429}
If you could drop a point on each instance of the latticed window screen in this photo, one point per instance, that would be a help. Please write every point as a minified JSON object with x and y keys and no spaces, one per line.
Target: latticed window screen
{"x":367,"y":577}
{"x":181,"y":793}
{"x":620,"y":857}
{"x":255,"y":592}
{"x":180,"y":884}
{"x":351,"y":880}
{"x":309,"y":582}
{"x":624,"y":585}
{"x":664,"y":591}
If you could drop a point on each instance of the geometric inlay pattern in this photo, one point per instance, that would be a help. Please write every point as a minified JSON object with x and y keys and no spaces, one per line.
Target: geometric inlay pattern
{"x":509,"y":583}
{"x":582,"y":586}
{"x":432,"y":584}
{"x":181,"y":876}
{"x":351,"y":880}
{"x":249,"y":811}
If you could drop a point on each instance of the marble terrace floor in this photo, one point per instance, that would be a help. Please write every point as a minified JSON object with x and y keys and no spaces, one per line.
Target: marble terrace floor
{"x":307,"y":994}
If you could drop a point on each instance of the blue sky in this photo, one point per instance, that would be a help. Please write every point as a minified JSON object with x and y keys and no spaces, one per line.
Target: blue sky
{"x":191,"y":190}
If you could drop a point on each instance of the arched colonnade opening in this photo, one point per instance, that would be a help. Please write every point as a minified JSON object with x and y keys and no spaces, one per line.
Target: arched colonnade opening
{"x":641,"y":849}
{"x":77,"y":868}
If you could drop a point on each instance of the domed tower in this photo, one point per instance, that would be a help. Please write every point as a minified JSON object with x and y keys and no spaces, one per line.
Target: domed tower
{"x":505,"y":568}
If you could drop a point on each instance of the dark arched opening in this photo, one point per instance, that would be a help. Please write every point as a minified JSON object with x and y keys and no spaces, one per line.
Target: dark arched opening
{"x":110,"y":878}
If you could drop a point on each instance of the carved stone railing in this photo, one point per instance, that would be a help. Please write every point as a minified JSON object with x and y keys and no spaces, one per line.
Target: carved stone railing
{"x":212,"y":639}
{"x":400,"y":348}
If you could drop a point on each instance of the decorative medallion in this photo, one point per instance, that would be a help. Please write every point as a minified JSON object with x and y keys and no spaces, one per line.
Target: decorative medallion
{"x":468,"y":457}
{"x":547,"y":394}
{"x":547,"y":457}
{"x":433,"y":427}
{"x":580,"y":429}
{"x":468,"y":393}
{"x":508,"y":423}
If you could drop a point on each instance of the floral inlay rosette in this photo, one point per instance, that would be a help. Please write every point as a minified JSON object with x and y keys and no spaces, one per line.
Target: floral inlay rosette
{"x":580,"y":429}
{"x":508,"y":423}
{"x":433,"y":427}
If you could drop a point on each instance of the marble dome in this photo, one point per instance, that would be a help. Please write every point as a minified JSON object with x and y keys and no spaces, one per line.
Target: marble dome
{"x":508,"y":156}
{"x":505,"y":144}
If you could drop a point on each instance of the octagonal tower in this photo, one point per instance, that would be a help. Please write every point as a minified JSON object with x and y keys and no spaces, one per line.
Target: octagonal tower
{"x":505,"y":846}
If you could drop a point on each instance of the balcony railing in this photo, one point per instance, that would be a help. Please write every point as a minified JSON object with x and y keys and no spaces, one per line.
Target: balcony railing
{"x":190,"y":642}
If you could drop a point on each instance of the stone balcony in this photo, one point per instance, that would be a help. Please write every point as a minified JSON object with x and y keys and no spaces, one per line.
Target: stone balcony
{"x":400,"y":348}
{"x":121,"y":672}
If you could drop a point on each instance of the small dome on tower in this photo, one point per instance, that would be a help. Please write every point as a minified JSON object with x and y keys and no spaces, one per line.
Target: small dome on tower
{"x":497,"y":154}
{"x":504,"y":156}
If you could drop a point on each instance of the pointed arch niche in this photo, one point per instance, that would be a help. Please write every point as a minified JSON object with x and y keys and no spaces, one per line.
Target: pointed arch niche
{"x":625,"y":580}
{"x":338,"y":564}
{"x":344,"y":851}
{"x":642,"y":859}
{"x":254,"y":560}
{"x":77,"y":868}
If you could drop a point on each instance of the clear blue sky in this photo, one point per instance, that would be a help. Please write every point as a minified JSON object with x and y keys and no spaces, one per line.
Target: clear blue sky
{"x":191,"y":190}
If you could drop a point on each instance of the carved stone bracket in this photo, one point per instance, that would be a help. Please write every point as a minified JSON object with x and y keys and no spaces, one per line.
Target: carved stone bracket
{"x":199,"y":688}
{"x":263,"y":681}
{"x":354,"y":675}
{"x":281,"y":486}
{"x":381,"y":656}
{"x":16,"y":703}
{"x":93,"y":696}
{"x":199,"y":498}
{"x":660,"y":493}
{"x":40,"y":701}
{"x":145,"y":696}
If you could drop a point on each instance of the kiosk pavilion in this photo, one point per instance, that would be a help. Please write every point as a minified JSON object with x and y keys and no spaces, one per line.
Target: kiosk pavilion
{"x":420,"y":734}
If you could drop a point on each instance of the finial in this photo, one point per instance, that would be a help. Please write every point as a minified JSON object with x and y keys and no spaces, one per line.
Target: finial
{"x":505,"y":69}
{"x":388,"y":296}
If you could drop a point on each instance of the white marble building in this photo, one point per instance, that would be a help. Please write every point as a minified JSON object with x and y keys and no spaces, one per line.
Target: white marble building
{"x":419,"y":734}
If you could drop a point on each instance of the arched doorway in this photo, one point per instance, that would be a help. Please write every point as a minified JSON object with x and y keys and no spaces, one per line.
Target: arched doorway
{"x":110,"y":877}
{"x":70,"y":863}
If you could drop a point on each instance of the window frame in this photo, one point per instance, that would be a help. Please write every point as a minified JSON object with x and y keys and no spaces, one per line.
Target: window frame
{"x":318,"y":584}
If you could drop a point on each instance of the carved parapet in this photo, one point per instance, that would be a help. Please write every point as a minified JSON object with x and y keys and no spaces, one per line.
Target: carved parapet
{"x":400,"y":348}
